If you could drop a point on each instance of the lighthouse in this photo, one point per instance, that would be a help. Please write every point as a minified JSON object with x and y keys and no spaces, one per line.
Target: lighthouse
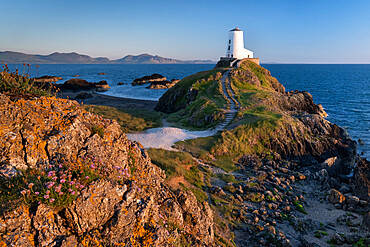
{"x":235,"y":45}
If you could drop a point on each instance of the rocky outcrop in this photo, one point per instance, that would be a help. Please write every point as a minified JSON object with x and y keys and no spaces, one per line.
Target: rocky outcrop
{"x":149,"y":79}
{"x":47,"y":78}
{"x":361,"y":179}
{"x":80,"y":85}
{"x":163,"y":84}
{"x":85,"y":182}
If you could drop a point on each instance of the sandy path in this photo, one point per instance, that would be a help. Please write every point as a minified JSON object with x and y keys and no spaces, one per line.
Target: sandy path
{"x":166,"y":137}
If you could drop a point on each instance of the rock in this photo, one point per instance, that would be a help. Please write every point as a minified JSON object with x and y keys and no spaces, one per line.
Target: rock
{"x":339,"y":239}
{"x":344,"y":189}
{"x":351,"y":238}
{"x":120,"y":83}
{"x":366,"y":221}
{"x":271,"y":229}
{"x":217,"y":191}
{"x":102,"y":74}
{"x":162,"y":84}
{"x":49,"y":225}
{"x":76,"y":76}
{"x":149,"y":79}
{"x":79,"y":84}
{"x":350,"y":199}
{"x":335,"y":197}
{"x":361,"y":179}
{"x":95,"y":206}
{"x":334,"y":183}
{"x":8,"y":171}
{"x":47,"y":78}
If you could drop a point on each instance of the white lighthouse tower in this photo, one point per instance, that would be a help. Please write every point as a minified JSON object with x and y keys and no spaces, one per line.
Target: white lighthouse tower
{"x":235,"y":46}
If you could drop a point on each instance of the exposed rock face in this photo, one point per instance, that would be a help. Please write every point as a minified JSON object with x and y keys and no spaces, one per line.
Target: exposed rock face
{"x":47,"y":78}
{"x":336,"y":197}
{"x":131,"y":208}
{"x":79,"y":84}
{"x":149,"y":79}
{"x":361,"y":179}
{"x":163,"y":84}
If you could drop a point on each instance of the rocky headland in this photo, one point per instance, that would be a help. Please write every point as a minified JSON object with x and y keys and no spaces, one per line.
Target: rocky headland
{"x":276,"y":174}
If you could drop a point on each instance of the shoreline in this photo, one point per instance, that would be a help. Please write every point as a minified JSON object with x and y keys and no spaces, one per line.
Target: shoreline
{"x":107,"y":100}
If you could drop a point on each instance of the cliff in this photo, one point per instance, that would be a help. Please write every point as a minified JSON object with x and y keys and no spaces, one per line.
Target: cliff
{"x":69,"y":177}
{"x":279,"y":173}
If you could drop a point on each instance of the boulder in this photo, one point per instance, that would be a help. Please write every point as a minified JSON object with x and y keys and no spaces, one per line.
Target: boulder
{"x":162,"y":84}
{"x":79,"y":85}
{"x":149,"y":79}
{"x":336,"y":197}
{"x":102,"y":73}
{"x":361,"y":179}
{"x":47,"y":78}
{"x":350,"y":199}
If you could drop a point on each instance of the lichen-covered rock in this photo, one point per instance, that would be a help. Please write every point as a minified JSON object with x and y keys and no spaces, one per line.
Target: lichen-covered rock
{"x":108,"y":192}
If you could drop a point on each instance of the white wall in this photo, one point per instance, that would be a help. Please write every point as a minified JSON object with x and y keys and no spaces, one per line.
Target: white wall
{"x":237,"y":46}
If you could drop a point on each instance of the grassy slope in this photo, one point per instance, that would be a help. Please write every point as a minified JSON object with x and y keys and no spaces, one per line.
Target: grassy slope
{"x":131,"y":120}
{"x":205,"y":110}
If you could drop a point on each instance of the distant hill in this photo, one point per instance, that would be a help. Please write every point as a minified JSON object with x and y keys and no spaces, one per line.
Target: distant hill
{"x":75,"y":58}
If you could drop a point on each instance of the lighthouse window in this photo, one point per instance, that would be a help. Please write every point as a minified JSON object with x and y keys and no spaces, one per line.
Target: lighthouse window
{"x":228,"y":48}
{"x":229,"y":41}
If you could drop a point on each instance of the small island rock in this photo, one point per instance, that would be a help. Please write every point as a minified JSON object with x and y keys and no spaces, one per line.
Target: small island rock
{"x":149,"y":79}
{"x":47,"y":78}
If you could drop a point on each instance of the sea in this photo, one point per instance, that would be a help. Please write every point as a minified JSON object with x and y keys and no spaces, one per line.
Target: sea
{"x":342,"y":89}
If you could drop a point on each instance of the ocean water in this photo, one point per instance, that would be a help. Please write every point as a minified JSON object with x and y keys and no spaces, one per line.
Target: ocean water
{"x":343,"y":90}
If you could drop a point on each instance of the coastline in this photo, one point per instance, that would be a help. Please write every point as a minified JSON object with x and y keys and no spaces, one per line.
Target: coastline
{"x":106,"y":100}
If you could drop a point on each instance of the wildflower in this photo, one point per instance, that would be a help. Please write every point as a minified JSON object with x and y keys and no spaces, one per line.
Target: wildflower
{"x":160,"y":216}
{"x":30,"y":185}
{"x":23,"y":192}
{"x":62,"y":180}
{"x":38,"y":177}
{"x":60,"y":193}
{"x":119,"y":177}
{"x":81,"y":186}
{"x":50,"y":174}
{"x":39,"y":203}
{"x":92,"y":166}
{"x":60,"y":166}
{"x":70,"y":190}
{"x":55,"y":178}
{"x":73,"y":192}
{"x":37,"y":193}
{"x":87,"y":177}
{"x":46,"y":196}
{"x":57,"y":189}
{"x":52,"y":199}
{"x":47,"y":192}
{"x":72,"y":183}
{"x":50,"y":184}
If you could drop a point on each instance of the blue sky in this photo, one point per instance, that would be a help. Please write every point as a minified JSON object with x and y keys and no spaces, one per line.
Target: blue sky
{"x":287,"y":31}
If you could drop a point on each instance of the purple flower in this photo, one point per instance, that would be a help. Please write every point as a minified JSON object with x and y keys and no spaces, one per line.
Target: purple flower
{"x":55,"y":178}
{"x":60,"y":166}
{"x":37,"y":193}
{"x":87,"y":177}
{"x":72,"y":183}
{"x":50,"y":184}
{"x":92,"y":166}
{"x":81,"y":186}
{"x":50,"y":174}
{"x":60,"y":193}
{"x":62,"y":180}
{"x":73,"y":192}
{"x":46,"y":196}
{"x":70,"y":190}
{"x":52,"y":199}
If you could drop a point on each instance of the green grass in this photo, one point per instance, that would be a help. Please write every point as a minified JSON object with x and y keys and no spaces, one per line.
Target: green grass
{"x":320,"y":234}
{"x":131,"y":120}
{"x":299,"y":207}
{"x":199,"y":147}
{"x":228,"y":178}
{"x":173,"y":162}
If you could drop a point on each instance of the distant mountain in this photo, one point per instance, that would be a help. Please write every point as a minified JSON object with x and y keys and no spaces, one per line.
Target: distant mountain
{"x":73,"y":57}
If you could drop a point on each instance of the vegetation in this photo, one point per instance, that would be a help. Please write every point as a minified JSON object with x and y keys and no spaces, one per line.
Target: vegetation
{"x":130,"y":120}
{"x":21,"y":85}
